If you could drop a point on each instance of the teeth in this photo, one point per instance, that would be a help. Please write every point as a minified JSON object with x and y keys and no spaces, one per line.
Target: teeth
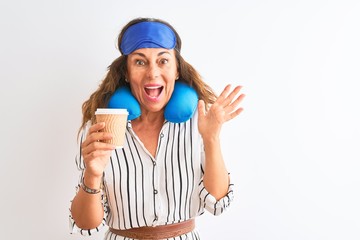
{"x":155,"y":87}
{"x":153,"y":91}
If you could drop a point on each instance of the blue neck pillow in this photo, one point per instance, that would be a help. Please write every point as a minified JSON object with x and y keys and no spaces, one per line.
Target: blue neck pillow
{"x":180,"y":108}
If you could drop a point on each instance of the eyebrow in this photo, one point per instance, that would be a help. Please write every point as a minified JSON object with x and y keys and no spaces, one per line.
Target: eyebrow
{"x":159,"y":54}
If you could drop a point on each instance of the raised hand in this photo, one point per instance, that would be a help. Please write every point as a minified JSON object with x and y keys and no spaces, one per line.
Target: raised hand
{"x":225,"y":108}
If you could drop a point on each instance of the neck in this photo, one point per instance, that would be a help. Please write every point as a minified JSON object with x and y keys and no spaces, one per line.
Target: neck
{"x":150,"y":118}
{"x":147,"y":127}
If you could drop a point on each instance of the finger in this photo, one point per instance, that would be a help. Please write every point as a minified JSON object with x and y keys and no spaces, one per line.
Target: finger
{"x":96,"y":146}
{"x":235,"y":113}
{"x":233,"y":105}
{"x":96,"y":137}
{"x":97,"y":155}
{"x":100,"y":136}
{"x":230,"y":97}
{"x":201,"y":108}
{"x":96,"y":127}
{"x":223,"y":94}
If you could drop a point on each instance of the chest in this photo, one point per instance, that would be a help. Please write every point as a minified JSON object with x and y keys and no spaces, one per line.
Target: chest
{"x":168,"y":153}
{"x":149,"y":137}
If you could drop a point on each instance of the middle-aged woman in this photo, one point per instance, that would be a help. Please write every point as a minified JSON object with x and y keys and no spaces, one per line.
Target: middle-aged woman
{"x":168,"y":172}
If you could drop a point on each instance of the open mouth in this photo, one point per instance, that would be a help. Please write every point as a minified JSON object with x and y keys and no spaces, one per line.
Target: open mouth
{"x":153,"y":91}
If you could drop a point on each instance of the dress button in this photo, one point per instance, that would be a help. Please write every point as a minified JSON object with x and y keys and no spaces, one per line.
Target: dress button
{"x":161,"y":135}
{"x":154,"y":163}
{"x":155,"y":191}
{"x":156,"y":218}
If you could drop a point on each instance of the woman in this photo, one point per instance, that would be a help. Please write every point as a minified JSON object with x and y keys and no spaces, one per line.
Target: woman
{"x":167,"y":173}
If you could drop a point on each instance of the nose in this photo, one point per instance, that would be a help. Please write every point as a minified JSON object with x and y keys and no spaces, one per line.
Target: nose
{"x":153,"y":71}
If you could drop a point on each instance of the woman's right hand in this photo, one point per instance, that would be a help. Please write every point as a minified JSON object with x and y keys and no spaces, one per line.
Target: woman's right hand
{"x":96,"y":153}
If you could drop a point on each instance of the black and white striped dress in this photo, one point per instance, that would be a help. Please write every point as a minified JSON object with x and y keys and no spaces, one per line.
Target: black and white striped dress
{"x":144,"y":191}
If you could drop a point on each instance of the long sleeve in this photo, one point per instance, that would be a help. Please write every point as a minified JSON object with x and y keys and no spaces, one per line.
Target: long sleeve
{"x":210,"y":203}
{"x":81,"y":167}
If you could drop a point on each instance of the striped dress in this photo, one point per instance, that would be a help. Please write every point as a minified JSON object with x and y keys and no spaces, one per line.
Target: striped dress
{"x":140,"y":190}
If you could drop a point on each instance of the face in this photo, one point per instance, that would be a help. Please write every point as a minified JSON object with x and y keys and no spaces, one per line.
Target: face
{"x":151,"y":74}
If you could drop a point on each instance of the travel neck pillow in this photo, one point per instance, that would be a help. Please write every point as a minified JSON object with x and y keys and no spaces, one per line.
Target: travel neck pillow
{"x":180,"y":108}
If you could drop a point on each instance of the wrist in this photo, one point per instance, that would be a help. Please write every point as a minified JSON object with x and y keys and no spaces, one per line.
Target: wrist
{"x":211,"y":140}
{"x":91,"y":181}
{"x":88,"y":189}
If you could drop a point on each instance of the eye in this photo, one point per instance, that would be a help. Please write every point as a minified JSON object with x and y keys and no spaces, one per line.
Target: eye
{"x":140,"y":62}
{"x":164,"y":61}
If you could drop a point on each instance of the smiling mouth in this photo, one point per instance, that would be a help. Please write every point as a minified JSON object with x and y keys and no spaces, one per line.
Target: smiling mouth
{"x":154,"y":91}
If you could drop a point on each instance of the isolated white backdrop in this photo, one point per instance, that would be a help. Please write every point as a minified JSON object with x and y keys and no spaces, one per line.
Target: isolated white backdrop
{"x":293,"y":153}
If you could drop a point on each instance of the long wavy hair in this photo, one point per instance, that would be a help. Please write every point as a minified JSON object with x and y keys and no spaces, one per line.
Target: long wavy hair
{"x":116,"y":74}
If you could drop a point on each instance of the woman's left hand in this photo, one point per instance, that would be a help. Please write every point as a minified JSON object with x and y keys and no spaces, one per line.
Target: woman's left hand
{"x":224,"y":109}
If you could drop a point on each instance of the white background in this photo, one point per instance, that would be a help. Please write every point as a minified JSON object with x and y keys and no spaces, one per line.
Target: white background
{"x":293,"y":153}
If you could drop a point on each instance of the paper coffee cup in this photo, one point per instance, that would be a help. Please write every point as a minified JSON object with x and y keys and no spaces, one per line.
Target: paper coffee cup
{"x":115,"y":122}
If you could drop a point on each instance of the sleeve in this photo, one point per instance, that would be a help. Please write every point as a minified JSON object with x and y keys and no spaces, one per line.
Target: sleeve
{"x":74,"y":229}
{"x":209,"y":201}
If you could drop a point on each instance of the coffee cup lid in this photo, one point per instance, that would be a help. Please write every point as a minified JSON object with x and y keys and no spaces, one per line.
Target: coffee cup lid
{"x":111,"y":111}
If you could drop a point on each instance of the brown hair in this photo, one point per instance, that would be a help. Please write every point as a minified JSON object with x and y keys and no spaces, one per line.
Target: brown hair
{"x":117,"y":71}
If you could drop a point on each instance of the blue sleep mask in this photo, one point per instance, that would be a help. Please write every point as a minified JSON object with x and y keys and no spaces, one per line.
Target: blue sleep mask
{"x":147,"y":35}
{"x":180,"y":108}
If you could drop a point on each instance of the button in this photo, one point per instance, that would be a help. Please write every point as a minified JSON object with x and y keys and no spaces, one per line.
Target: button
{"x":155,"y":191}
{"x":161,"y":135}
{"x":156,"y":218}
{"x":154,"y":162}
